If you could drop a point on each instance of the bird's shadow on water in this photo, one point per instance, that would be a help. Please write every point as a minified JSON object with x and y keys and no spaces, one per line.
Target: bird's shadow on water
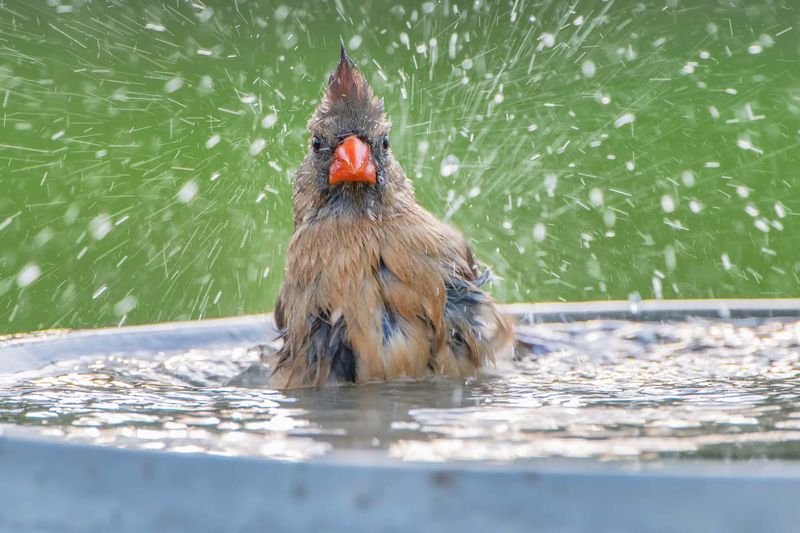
{"x":374,"y":415}
{"x":375,"y":412}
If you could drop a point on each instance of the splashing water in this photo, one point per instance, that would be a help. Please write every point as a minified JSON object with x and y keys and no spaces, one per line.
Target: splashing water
{"x":450,"y":165}
{"x":158,"y":163}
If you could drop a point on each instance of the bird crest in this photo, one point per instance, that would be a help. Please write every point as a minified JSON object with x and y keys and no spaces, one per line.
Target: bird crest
{"x":348,"y":104}
{"x":346,"y":84}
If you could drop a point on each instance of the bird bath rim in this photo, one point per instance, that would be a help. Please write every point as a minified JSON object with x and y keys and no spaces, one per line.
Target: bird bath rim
{"x":85,"y":487}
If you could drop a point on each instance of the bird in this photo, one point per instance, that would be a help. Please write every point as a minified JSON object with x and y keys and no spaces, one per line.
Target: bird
{"x":375,"y":287}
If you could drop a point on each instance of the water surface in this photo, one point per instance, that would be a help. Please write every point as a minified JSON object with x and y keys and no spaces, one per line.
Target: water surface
{"x":608,"y":390}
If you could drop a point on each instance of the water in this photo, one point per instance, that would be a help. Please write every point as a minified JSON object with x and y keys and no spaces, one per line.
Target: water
{"x":589,"y":149}
{"x":608,"y":390}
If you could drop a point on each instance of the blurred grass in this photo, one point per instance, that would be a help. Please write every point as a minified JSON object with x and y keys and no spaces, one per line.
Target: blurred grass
{"x":605,"y":148}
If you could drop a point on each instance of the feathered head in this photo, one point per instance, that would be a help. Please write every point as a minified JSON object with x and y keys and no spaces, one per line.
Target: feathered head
{"x":349,"y":169}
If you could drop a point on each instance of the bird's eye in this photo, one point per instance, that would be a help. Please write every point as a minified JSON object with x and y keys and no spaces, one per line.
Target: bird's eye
{"x":385,"y":142}
{"x":316,"y":143}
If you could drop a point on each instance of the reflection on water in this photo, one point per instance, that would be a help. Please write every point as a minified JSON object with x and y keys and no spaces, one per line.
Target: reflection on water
{"x":606,"y":389}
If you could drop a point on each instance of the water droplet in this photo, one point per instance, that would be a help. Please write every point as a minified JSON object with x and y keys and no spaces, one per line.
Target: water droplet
{"x":28,"y":274}
{"x":755,"y":48}
{"x":404,"y":40}
{"x":548,"y":40}
{"x":609,"y":218}
{"x":550,"y":183}
{"x":657,"y":289}
{"x":450,"y":165}
{"x":99,"y":292}
{"x":626,"y":118}
{"x":451,"y":45}
{"x":588,"y":68}
{"x":173,"y":85}
{"x":100,"y":226}
{"x":355,"y":42}
{"x":634,"y":303}
{"x":206,"y":84}
{"x":745,"y":144}
{"x":281,"y":13}
{"x":596,"y":197}
{"x":269,"y":121}
{"x":257,"y":147}
{"x":539,"y":232}
{"x":667,"y":203}
{"x":206,"y":14}
{"x":213,"y":141}
{"x":670,"y":257}
{"x":125,"y":306}
{"x":695,"y":206}
{"x":187,"y":192}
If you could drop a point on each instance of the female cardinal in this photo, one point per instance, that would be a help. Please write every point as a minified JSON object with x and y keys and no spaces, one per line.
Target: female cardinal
{"x":375,"y":288}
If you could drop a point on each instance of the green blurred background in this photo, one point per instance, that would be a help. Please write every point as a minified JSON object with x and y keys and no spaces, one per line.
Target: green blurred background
{"x":588,"y":149}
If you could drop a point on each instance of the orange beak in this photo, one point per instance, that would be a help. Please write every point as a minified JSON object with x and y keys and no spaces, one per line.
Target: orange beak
{"x":351,"y":162}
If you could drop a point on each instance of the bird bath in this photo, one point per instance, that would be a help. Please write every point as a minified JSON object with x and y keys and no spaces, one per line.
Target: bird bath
{"x":589,"y":150}
{"x":643,"y":407}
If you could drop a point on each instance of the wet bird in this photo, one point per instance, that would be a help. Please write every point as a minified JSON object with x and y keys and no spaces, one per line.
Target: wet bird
{"x":376,"y":288}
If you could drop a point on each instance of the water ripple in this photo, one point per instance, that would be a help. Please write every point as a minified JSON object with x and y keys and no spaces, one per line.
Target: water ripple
{"x":609,"y":390}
